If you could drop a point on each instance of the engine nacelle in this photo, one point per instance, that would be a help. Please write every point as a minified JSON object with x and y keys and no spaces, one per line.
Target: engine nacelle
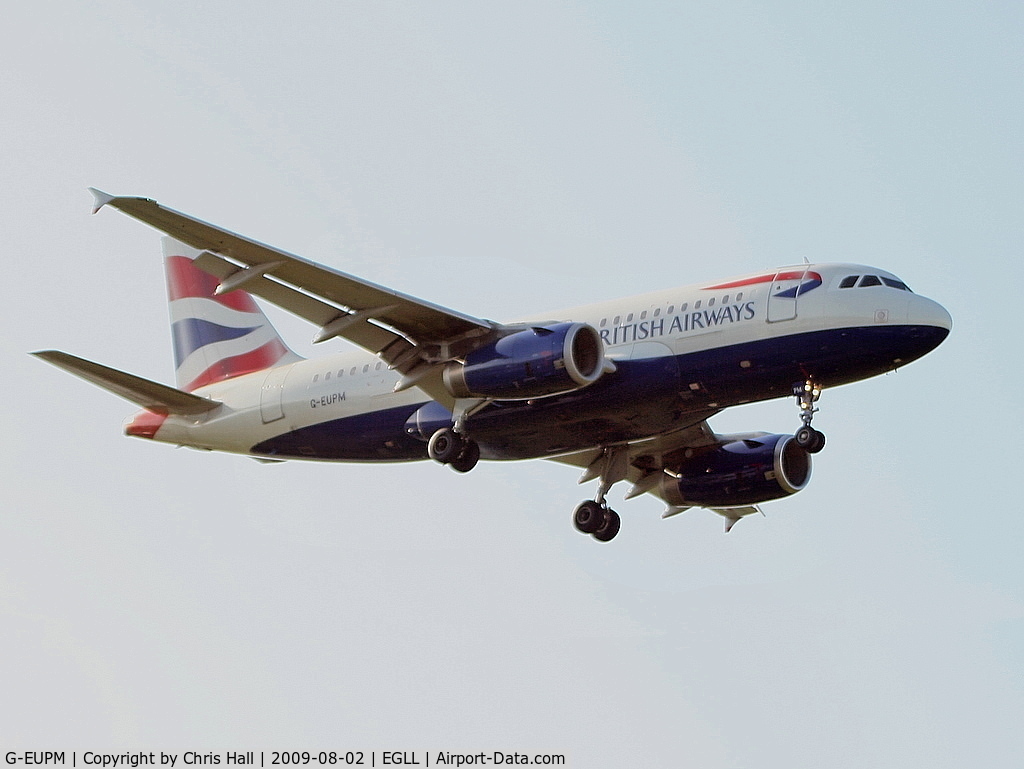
{"x":539,"y":361}
{"x":741,"y":472}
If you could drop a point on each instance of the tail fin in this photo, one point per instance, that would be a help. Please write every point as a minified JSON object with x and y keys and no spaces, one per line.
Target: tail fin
{"x":215,"y":337}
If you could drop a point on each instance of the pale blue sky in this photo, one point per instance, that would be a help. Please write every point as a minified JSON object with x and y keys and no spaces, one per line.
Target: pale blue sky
{"x":501,"y":159}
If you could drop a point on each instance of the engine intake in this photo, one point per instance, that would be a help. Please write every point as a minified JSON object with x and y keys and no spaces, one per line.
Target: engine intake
{"x":539,"y":361}
{"x":740,"y":472}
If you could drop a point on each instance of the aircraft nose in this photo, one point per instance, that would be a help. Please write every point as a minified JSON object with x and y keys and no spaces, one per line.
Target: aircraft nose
{"x":927,"y":312}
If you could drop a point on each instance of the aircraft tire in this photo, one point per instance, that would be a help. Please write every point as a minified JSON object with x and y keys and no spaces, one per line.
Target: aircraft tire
{"x":609,"y":527}
{"x":819,"y":443}
{"x":445,"y":446}
{"x":588,"y":517}
{"x":810,"y":440}
{"x":467,"y":460}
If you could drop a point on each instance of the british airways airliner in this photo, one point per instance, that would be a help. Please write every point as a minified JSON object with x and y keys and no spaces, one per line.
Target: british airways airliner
{"x":622,"y":389}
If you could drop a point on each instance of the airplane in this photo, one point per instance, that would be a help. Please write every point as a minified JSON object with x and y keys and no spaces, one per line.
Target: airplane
{"x":623,"y":389}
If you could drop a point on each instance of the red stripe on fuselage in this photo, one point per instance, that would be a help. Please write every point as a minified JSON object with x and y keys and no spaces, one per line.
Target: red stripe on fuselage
{"x":745,"y":282}
{"x":792,"y":275}
{"x":184,"y":280}
{"x":228,"y":368}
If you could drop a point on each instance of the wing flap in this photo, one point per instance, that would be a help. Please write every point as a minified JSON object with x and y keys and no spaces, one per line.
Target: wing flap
{"x":647,"y":457}
{"x":152,"y":396}
{"x":363,"y":333}
{"x":357,"y":327}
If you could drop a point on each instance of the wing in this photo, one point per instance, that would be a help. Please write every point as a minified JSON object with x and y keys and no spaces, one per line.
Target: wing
{"x":643,"y":464}
{"x":409,"y":333}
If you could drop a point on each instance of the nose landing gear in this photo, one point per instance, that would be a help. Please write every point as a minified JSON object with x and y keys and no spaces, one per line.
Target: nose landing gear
{"x":807,"y":394}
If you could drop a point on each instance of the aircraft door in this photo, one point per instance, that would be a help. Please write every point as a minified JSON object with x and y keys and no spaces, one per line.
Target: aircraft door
{"x":783,"y":295}
{"x":272,"y":394}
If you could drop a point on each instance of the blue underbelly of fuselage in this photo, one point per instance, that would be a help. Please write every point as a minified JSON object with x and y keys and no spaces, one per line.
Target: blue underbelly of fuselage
{"x":642,"y":398}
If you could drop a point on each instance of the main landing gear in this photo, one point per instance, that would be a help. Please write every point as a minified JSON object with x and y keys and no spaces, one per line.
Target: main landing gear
{"x":451,"y":448}
{"x":594,"y":517}
{"x":807,"y":438}
{"x":597,"y":519}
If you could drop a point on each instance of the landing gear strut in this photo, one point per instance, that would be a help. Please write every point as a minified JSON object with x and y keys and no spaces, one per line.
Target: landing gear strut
{"x":450,"y":448}
{"x":807,"y":438}
{"x":594,"y":517}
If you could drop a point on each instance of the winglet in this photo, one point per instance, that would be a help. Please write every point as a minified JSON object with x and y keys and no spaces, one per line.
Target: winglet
{"x":100,"y":199}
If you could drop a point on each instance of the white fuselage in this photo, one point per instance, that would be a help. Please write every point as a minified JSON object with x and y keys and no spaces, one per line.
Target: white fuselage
{"x":728,"y":331}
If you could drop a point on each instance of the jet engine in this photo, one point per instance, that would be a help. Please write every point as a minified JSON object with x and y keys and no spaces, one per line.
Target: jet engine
{"x":739,"y":472}
{"x":539,"y":361}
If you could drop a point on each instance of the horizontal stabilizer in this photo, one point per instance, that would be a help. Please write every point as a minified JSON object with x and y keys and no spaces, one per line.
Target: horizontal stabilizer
{"x":152,"y":396}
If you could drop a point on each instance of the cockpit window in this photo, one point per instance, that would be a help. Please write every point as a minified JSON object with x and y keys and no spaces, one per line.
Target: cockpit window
{"x":896,"y":284}
{"x":873,"y":280}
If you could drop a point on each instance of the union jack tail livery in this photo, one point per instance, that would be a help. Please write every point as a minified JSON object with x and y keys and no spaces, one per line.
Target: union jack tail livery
{"x":216,"y":337}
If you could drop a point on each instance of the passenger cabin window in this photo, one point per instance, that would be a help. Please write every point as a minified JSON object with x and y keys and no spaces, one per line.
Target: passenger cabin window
{"x":870,"y":280}
{"x":849,"y":281}
{"x":711,"y":302}
{"x":327,"y":376}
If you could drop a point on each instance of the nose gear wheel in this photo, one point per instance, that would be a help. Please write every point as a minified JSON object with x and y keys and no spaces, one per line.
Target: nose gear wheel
{"x":807,"y":394}
{"x":809,"y":439}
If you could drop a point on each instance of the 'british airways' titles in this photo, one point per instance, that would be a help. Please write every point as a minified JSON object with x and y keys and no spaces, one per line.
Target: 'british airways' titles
{"x":695,"y":321}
